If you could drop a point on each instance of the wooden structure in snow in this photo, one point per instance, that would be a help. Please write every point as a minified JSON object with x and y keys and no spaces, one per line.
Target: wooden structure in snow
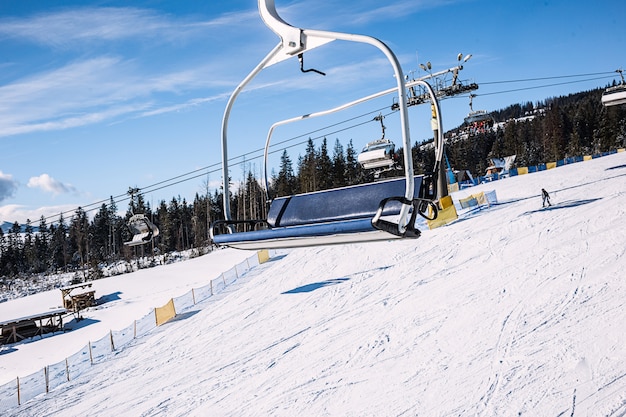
{"x":78,"y":297}
{"x":18,"y":329}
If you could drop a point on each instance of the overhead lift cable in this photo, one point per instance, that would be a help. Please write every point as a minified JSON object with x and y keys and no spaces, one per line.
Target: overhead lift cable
{"x":201,"y":172}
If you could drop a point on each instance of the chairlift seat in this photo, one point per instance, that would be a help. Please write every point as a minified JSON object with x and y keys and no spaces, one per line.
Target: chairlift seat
{"x":333,"y":216}
{"x":144,"y":230}
{"x":614,"y":96}
{"x":377,"y":154}
{"x":477,"y":116}
{"x":139,"y":239}
{"x":339,"y":215}
{"x":339,"y":204}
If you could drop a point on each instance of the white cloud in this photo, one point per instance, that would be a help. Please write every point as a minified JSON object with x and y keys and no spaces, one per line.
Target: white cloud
{"x":8,"y":186}
{"x":104,"y":81}
{"x":89,"y":24}
{"x":18,"y":213}
{"x":340,"y":13}
{"x":49,"y":184}
{"x":92,"y":91}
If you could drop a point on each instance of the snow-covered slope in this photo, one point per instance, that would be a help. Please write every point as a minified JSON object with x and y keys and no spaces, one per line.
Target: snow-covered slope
{"x":124,"y":298}
{"x":513,"y":310}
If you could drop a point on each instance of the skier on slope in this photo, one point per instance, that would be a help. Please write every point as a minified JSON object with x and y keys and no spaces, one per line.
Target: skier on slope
{"x":546,"y":198}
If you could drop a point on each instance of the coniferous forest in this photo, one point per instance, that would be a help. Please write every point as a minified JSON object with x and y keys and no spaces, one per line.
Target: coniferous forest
{"x":536,"y":133}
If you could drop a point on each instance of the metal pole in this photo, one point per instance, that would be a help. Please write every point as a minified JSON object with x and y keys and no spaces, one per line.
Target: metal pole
{"x":442,"y":182}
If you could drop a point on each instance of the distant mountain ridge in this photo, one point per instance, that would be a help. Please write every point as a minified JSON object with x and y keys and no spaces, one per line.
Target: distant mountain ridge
{"x":6,"y":227}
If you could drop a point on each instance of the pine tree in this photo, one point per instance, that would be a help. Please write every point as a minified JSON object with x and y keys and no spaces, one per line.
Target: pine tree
{"x":285,"y":182}
{"x":353,"y":170}
{"x":101,"y":233}
{"x":554,"y":133}
{"x":12,"y":255}
{"x":79,"y":239}
{"x":59,"y":245}
{"x":199,"y":220}
{"x":165,"y":227}
{"x":324,"y":168}
{"x":307,"y":169}
{"x":42,"y":246}
{"x":29,"y":253}
{"x":339,"y":169}
{"x":175,"y":223}
{"x":116,"y":226}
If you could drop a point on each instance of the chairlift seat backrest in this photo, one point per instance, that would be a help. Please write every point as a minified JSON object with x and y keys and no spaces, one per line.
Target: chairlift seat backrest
{"x":140,"y":227}
{"x":144,"y":230}
{"x":340,"y":204}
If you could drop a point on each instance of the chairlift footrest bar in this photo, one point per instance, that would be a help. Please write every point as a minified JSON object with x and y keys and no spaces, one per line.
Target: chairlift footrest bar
{"x":391,"y":227}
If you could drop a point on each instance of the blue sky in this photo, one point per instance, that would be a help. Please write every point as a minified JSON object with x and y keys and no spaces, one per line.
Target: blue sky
{"x":99,"y":96}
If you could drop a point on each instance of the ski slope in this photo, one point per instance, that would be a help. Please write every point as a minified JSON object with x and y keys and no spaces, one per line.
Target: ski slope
{"x":512,"y":310}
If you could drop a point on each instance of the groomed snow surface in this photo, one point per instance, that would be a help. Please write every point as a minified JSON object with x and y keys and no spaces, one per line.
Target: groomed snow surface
{"x":513,"y":310}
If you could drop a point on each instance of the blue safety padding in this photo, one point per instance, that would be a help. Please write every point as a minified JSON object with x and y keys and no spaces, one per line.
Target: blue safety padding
{"x":348,"y":203}
{"x":306,"y":231}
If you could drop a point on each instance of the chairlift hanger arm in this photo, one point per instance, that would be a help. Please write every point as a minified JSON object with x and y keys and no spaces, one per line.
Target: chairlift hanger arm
{"x":229,"y":105}
{"x":348,"y":214}
{"x":295,"y":41}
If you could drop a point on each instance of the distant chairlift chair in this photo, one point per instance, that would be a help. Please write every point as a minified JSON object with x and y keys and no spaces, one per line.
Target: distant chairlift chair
{"x":477,"y":116}
{"x":143,"y":230}
{"x":377,"y":211}
{"x":615,"y":95}
{"x":378,"y":154}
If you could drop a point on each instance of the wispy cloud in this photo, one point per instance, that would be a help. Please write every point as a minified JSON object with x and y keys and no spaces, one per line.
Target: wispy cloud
{"x":390,"y":10}
{"x":46,"y":183}
{"x":114,"y":65}
{"x":85,"y":25}
{"x":8,"y":186}
{"x":92,"y":91}
{"x":337,"y":13}
{"x":123,"y":83}
{"x":183,"y":106}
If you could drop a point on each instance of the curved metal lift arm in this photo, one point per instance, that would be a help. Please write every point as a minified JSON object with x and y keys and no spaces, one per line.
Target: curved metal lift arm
{"x":295,"y":41}
{"x":347,"y":226}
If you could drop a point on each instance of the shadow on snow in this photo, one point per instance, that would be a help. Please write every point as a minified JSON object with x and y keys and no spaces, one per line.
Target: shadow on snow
{"x":565,"y":204}
{"x":316,"y":286}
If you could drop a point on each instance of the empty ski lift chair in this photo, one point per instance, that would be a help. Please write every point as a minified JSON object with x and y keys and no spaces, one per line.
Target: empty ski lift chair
{"x":379,"y":153}
{"x":143,"y":230}
{"x":615,"y":95}
{"x":368,"y":212}
{"x":477,"y":116}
